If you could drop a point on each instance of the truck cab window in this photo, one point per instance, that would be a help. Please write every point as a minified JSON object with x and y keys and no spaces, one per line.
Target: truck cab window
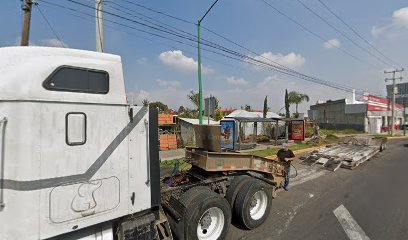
{"x":72,"y":79}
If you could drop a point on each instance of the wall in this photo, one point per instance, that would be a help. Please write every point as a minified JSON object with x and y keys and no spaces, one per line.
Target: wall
{"x":332,"y":115}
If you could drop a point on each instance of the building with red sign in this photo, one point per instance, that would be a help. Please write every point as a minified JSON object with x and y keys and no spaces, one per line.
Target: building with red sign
{"x":372,"y":114}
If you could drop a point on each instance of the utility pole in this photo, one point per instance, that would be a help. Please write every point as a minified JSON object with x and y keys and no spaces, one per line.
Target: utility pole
{"x":99,"y":28}
{"x":200,"y":85}
{"x":27,"y":6}
{"x":393,"y":95}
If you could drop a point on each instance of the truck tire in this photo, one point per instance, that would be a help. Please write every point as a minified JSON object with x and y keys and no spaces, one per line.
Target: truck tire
{"x":253,"y":203}
{"x":207,"y":215}
{"x":235,"y":187}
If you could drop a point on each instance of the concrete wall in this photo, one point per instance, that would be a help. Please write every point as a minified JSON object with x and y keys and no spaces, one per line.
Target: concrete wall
{"x":332,"y":115}
{"x":187,"y":133}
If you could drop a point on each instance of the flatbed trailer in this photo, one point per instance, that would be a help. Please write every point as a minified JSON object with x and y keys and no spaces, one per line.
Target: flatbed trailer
{"x":349,"y":153}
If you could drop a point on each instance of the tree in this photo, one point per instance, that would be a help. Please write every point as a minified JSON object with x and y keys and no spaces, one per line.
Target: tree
{"x":161,"y":106}
{"x":194,"y":98}
{"x":297,"y":98}
{"x":145,"y":102}
{"x":247,"y":108}
{"x":287,"y":104}
{"x":181,"y":110}
{"x":218,"y":114}
{"x":265,"y":108}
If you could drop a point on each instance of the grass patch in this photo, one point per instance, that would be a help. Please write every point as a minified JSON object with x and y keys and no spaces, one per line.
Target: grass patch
{"x":273,"y":151}
{"x":183,"y":165}
{"x":340,"y":131}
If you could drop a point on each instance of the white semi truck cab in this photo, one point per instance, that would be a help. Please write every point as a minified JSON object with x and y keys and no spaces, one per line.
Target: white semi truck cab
{"x":78,"y":162}
{"x":75,"y":158}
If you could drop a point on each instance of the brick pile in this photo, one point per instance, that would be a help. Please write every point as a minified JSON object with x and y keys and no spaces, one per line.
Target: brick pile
{"x":168,"y":141}
{"x":165,"y":119}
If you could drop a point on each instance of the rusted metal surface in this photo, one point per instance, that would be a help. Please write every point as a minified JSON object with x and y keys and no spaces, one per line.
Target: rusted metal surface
{"x":208,"y":137}
{"x":229,"y":161}
{"x":349,"y":153}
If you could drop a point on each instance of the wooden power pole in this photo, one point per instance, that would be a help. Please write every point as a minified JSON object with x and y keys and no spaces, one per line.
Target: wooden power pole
{"x":393,"y":96}
{"x":27,"y":6}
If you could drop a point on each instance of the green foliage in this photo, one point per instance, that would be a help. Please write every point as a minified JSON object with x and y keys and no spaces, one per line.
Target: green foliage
{"x":218,"y":114}
{"x":171,"y":163}
{"x":272,"y":151}
{"x":185,"y":112}
{"x":287,"y":104}
{"x":194,"y":98}
{"x":145,"y":102}
{"x":265,"y":108}
{"x":247,"y":108}
{"x":297,"y":98}
{"x":161,"y":106}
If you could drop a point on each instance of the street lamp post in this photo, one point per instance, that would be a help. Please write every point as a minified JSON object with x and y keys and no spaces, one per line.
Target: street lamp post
{"x":200,"y":85}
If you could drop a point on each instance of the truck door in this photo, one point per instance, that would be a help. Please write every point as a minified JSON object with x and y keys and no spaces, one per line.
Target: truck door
{"x":83,"y":164}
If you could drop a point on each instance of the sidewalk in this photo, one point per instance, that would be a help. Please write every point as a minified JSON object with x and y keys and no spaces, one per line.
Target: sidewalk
{"x":171,"y":154}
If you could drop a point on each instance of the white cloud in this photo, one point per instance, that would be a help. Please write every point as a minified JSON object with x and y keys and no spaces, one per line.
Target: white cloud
{"x":142,"y":60}
{"x":169,"y":85}
{"x":138,"y":97}
{"x":236,"y":81}
{"x":289,"y":60}
{"x":399,"y":20}
{"x":268,"y":83}
{"x":332,"y":43}
{"x":179,"y":61}
{"x":52,"y":42}
{"x":400,"y":17}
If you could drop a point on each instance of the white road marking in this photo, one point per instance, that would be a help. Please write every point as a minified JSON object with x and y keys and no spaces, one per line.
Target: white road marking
{"x":350,"y":226}
{"x":305,"y":176}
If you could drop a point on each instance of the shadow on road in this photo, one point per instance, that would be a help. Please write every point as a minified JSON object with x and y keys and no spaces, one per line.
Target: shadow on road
{"x":406,"y":145}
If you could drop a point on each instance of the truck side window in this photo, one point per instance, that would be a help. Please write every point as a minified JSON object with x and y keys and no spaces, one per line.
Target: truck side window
{"x":73,"y":79}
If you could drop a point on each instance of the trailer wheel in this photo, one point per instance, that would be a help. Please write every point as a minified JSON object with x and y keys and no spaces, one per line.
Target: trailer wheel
{"x":235,"y":187}
{"x":207,"y":214}
{"x":253,"y":204}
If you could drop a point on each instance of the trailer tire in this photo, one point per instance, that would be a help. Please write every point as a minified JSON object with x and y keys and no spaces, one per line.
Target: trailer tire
{"x":252,"y":205}
{"x":207,"y":215}
{"x":235,"y":187}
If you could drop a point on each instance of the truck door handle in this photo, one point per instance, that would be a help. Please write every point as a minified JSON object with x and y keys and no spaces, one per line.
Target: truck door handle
{"x":3,"y":123}
{"x":146,"y":122}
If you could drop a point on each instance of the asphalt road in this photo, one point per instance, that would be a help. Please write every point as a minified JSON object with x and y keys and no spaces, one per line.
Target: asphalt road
{"x":375,"y":195}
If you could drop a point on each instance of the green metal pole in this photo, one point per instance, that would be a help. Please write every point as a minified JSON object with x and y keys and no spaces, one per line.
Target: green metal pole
{"x":405,"y":120}
{"x":200,"y":89}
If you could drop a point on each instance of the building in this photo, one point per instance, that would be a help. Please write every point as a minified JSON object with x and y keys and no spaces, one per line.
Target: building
{"x":371,"y":115}
{"x":401,"y":94}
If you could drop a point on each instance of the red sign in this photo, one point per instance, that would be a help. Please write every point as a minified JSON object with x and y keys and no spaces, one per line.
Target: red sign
{"x":380,"y":104}
{"x":298,"y":130}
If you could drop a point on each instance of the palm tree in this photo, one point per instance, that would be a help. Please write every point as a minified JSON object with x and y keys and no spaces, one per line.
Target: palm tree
{"x":145,"y":102}
{"x":297,"y":98}
{"x":194,"y":98}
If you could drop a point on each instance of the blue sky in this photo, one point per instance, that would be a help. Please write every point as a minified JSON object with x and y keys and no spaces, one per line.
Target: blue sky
{"x":163,"y":70}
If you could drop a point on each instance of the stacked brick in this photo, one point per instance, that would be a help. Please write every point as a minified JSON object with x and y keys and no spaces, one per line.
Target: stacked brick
{"x":168,"y":140}
{"x":165,"y":119}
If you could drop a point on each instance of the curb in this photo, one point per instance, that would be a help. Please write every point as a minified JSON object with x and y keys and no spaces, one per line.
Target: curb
{"x":397,"y":137}
{"x":297,"y":152}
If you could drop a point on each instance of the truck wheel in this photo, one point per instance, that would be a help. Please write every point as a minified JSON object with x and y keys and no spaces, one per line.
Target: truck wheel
{"x":253,"y":203}
{"x":207,"y":215}
{"x":235,"y":187}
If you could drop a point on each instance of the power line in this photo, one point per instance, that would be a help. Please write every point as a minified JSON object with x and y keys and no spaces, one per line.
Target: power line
{"x":235,"y":55}
{"x":355,"y":32}
{"x":282,"y":67}
{"x":50,"y":26}
{"x":317,"y":35}
{"x":341,"y":32}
